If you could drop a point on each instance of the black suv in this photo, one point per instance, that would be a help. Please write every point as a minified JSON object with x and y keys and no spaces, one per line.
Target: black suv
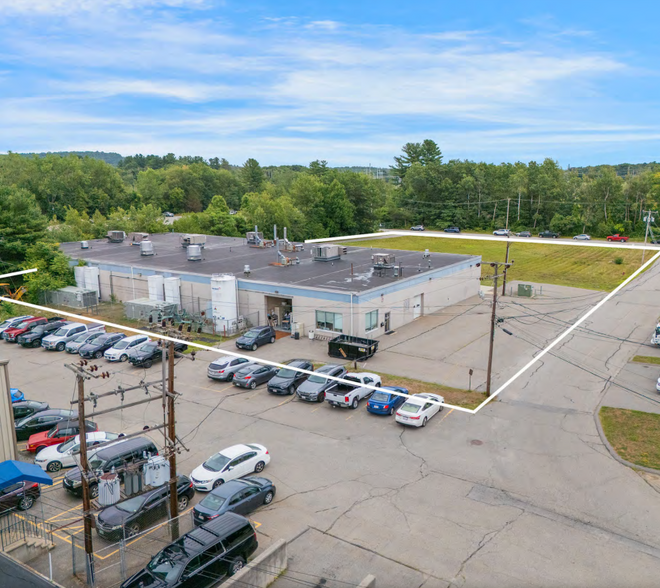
{"x":201,"y":557}
{"x":256,"y":337}
{"x":26,"y":408}
{"x":127,"y":518}
{"x":146,"y":354}
{"x":34,"y":336}
{"x":41,"y":421}
{"x":100,"y":345}
{"x":286,"y":380}
{"x":115,"y":456}
{"x":548,"y":234}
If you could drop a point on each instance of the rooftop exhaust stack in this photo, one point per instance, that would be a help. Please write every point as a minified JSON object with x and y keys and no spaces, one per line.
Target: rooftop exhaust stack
{"x":194,"y":253}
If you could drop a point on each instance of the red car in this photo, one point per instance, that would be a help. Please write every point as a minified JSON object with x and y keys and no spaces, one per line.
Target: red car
{"x":617,"y":237}
{"x":60,"y":433}
{"x":12,"y":334}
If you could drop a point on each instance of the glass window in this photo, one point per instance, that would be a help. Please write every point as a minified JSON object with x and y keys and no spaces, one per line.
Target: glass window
{"x":329,"y":321}
{"x":372,"y":320}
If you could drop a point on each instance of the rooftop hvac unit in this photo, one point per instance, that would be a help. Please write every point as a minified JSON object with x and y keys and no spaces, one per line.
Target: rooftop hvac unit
{"x":84,"y":244}
{"x":146,"y":248}
{"x":137,"y":238}
{"x":193,"y":239}
{"x":382,"y":259}
{"x":194,"y":253}
{"x":116,"y":236}
{"x":254,"y":237}
{"x":325,"y":252}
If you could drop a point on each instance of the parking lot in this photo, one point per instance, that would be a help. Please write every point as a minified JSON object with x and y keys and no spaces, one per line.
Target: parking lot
{"x":461,"y":500}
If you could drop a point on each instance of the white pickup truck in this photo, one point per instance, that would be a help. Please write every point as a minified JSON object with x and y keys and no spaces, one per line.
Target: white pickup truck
{"x":655,"y":340}
{"x":350,"y":395}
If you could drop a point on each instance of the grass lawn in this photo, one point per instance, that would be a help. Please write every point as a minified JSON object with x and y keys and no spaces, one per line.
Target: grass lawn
{"x":635,"y":435}
{"x":581,"y":267}
{"x":646,"y":359}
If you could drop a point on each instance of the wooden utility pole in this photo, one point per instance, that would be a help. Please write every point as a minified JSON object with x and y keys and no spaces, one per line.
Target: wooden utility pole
{"x":508,"y":203}
{"x":646,"y":234}
{"x":506,"y":261}
{"x":171,"y":434}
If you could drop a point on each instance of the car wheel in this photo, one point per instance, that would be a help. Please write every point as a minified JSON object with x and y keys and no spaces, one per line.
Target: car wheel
{"x":37,"y":344}
{"x":391,"y":411}
{"x":132,"y":530}
{"x":98,"y":354}
{"x":54,"y":466}
{"x":355,"y":403}
{"x":268,"y":498}
{"x":94,"y":491}
{"x":609,"y":240}
{"x":26,"y":503}
{"x":272,"y":339}
{"x":320,"y":397}
{"x":40,"y":448}
{"x":424,"y":422}
{"x":183,"y":503}
{"x":253,"y":384}
{"x":554,"y":236}
{"x":236,"y":566}
{"x":259,"y":467}
{"x":291,"y":390}
{"x":255,"y":347}
{"x":218,"y":483}
{"x":123,"y":357}
{"x":60,"y":347}
{"x":148,"y":363}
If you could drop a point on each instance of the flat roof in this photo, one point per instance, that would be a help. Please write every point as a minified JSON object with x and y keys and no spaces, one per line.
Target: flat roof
{"x":354,"y":272}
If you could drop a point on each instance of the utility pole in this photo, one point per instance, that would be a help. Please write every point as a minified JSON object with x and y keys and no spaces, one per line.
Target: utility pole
{"x":493,"y":318}
{"x":508,"y":203}
{"x":506,"y":261}
{"x":646,"y":234}
{"x":171,"y":434}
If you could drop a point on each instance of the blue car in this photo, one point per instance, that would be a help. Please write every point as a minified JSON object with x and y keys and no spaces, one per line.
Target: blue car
{"x":384,"y":402}
{"x":16,"y":395}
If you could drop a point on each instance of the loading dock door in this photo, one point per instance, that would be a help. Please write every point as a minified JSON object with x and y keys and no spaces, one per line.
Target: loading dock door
{"x":417,"y":306}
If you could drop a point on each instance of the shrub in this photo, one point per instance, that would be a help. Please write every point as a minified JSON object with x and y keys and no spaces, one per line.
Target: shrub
{"x":618,"y":260}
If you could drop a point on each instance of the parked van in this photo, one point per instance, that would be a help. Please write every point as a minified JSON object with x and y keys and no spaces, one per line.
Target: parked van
{"x":120,"y":350}
{"x":116,"y":456}
{"x":63,"y":335}
{"x":202,"y":557}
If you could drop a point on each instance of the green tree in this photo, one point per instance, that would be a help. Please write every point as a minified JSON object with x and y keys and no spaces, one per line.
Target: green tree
{"x":252,"y":175}
{"x":54,"y":271}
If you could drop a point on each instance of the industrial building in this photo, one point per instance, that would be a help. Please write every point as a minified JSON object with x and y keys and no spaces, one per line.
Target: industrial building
{"x":231,"y":283}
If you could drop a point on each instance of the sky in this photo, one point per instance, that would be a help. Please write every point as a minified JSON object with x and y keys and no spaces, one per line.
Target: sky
{"x":289,"y":82}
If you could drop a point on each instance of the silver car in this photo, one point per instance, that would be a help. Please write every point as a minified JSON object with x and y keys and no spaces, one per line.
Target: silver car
{"x":582,"y":237}
{"x":75,"y":344}
{"x":313,"y":389}
{"x":224,"y":368}
{"x":66,"y":333}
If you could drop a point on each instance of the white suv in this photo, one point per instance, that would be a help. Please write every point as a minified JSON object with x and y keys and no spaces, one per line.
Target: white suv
{"x":120,"y":350}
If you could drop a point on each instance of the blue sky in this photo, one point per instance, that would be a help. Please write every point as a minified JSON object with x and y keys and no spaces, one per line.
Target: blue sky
{"x":349,"y":82}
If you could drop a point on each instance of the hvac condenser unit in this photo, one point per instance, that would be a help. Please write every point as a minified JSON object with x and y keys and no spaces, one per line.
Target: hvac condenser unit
{"x":326,"y":252}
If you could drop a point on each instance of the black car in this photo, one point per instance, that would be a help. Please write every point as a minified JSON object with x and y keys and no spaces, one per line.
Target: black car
{"x":129,"y":517}
{"x":253,"y":374}
{"x":225,"y":367}
{"x":34,"y":336}
{"x":201,"y":557}
{"x":239,"y":496}
{"x":25,"y":408}
{"x":146,"y":354}
{"x":99,"y":346}
{"x":19,"y":496}
{"x":256,"y":337}
{"x":41,"y":421}
{"x":286,"y":380}
{"x":548,"y":235}
{"x":524,"y":234}
{"x":452,"y":230}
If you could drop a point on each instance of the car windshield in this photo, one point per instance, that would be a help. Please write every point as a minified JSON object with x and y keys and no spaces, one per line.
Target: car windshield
{"x":80,"y":338}
{"x":24,"y":420}
{"x":216,"y":463}
{"x":5,"y":324}
{"x":63,"y":447}
{"x":166,"y":565}
{"x":147,"y":347}
{"x":96,"y":463}
{"x":286,"y":373}
{"x":410,"y":407}
{"x":132,"y":504}
{"x":246,"y":370}
{"x":380,"y":397}
{"x":54,"y":432}
{"x":212,"y":502}
{"x":121,"y":344}
{"x":251,"y":334}
{"x":61,"y":332}
{"x":220,"y":365}
{"x":317,"y":380}
{"x":23,"y":325}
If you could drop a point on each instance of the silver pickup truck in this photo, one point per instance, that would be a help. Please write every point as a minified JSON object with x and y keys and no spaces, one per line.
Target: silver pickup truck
{"x":350,"y":395}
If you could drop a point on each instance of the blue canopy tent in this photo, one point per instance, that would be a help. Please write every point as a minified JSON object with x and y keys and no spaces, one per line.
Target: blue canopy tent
{"x":12,"y":471}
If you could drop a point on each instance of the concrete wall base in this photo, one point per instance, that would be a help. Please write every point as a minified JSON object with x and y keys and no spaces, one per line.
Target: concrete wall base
{"x":263,"y":570}
{"x":368,"y":582}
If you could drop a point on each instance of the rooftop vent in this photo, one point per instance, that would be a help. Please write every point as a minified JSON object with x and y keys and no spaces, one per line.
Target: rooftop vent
{"x":194,"y":253}
{"x":146,"y":248}
{"x":84,"y":245}
{"x":137,"y":238}
{"x":116,"y":236}
{"x":382,"y":259}
{"x":325,"y":252}
{"x":193,"y":239}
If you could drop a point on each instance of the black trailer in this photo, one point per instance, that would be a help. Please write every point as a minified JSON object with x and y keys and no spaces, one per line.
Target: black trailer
{"x":355,"y":348}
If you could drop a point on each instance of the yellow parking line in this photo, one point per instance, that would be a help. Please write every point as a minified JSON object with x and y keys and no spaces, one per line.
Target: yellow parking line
{"x":256,"y":525}
{"x":316,"y":409}
{"x":444,"y":417}
{"x":57,"y":516}
{"x":285,"y":401}
{"x":350,"y":416}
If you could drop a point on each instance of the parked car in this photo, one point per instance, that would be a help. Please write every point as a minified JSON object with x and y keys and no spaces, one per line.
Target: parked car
{"x":64,"y":455}
{"x":128,"y":517}
{"x":224,"y":548}
{"x":252,"y":375}
{"x":69,"y":332}
{"x":61,"y":432}
{"x":78,"y":341}
{"x":286,"y":380}
{"x":11,"y":322}
{"x":35,"y":336}
{"x":524,"y":234}
{"x":582,"y":237}
{"x":231,"y":463}
{"x":19,"y":496}
{"x":16,"y":395}
{"x":452,"y":230}
{"x":618,"y":238}
{"x":146,"y":354}
{"x":417,"y":410}
{"x":548,"y":235}
{"x":224,"y":368}
{"x":313,"y":389}
{"x":350,"y":395}
{"x":12,"y":333}
{"x":98,"y":346}
{"x":120,"y":350}
{"x":240,"y":496}
{"x":657,"y":385}
{"x":385,"y":402}
{"x":256,"y":337}
{"x":117,"y":455}
{"x":41,"y":421}
{"x":418,"y":228}
{"x":502,"y":232}
{"x":26,"y":408}
{"x":168,"y":214}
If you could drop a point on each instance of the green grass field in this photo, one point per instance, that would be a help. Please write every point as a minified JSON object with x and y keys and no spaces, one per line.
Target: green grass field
{"x":646,"y":359}
{"x":563,"y":265}
{"x":634,"y":435}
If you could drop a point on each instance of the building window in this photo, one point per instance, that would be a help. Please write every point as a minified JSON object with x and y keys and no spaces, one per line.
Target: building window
{"x":372,"y":320}
{"x":329,"y":321}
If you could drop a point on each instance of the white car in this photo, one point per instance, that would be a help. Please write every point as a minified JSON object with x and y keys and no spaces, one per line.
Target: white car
{"x":65,"y":455}
{"x":502,"y":232}
{"x":657,"y":385}
{"x":418,"y":409}
{"x":582,"y":237}
{"x":120,"y":350}
{"x":231,"y":463}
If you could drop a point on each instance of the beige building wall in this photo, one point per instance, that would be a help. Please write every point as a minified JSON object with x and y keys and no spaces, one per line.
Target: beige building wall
{"x":7,"y":436}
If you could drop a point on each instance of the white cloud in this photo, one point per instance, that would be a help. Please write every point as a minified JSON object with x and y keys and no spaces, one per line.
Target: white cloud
{"x":76,"y":6}
{"x":326,"y":25}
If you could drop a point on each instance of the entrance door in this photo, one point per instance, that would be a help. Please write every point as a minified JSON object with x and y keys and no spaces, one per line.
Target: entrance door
{"x":417,"y":306}
{"x":387,"y":321}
